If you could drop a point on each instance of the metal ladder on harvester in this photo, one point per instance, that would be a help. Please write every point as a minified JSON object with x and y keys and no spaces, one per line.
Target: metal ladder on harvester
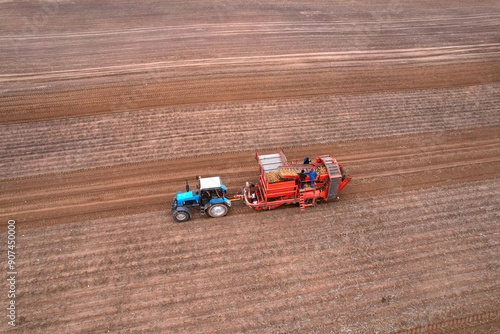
{"x":302,"y":200}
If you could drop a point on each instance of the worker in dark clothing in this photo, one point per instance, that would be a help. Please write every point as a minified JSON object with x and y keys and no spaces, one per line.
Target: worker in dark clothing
{"x":307,"y":161}
{"x":187,"y":186}
{"x":302,"y":179}
{"x":206,"y":195}
{"x":312,"y":177}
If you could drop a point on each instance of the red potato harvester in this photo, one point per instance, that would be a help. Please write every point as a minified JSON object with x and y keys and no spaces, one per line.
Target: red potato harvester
{"x":280,"y":184}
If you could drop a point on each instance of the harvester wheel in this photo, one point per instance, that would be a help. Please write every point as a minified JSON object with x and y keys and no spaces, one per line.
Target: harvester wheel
{"x":181,"y":216}
{"x":218,"y":210}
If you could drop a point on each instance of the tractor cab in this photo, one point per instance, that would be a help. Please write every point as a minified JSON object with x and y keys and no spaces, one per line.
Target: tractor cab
{"x":210,"y":197}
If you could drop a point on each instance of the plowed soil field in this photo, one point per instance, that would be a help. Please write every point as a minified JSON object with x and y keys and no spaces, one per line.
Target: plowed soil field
{"x":107,"y":107}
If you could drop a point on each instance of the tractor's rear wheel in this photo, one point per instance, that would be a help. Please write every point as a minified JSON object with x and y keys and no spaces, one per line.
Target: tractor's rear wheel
{"x":181,"y":216}
{"x":218,"y":210}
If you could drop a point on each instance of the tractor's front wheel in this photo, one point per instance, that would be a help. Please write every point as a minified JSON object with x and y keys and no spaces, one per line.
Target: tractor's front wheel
{"x":218,"y":210}
{"x":181,"y":216}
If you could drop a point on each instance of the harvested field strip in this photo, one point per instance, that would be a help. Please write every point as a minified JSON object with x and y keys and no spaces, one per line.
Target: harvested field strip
{"x":321,"y":212}
{"x":315,"y":61}
{"x":424,"y":222}
{"x":340,"y":36}
{"x":415,"y":249}
{"x":358,"y":257}
{"x":67,"y":133}
{"x":155,"y":170}
{"x":455,"y":21}
{"x":284,"y":65}
{"x":427,"y":168}
{"x":150,"y":187}
{"x":246,"y":86}
{"x":423,"y":153}
{"x":139,"y":188}
{"x":420,"y":224}
{"x":459,"y":21}
{"x":364,"y":123}
{"x":225,"y":236}
{"x":13,"y":153}
{"x":99,"y":141}
{"x":286,"y":303}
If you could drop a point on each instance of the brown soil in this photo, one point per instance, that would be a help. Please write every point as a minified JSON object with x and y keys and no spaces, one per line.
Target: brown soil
{"x":246,"y":84}
{"x":377,"y":167}
{"x":108,"y":106}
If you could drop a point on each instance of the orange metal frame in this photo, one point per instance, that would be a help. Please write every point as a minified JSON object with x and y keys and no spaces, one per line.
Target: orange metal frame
{"x":271,"y":195}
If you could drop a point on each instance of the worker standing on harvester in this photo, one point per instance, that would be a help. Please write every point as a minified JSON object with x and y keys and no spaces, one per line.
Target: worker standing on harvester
{"x":312,"y":176}
{"x":302,"y":179}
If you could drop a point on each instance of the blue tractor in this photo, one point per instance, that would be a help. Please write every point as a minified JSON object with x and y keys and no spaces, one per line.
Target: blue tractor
{"x":209,"y":197}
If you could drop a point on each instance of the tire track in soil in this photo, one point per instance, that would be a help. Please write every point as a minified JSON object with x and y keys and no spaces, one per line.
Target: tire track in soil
{"x":487,"y":322}
{"x":315,"y":60}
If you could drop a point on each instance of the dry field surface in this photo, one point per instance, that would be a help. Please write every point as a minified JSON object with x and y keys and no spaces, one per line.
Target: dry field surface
{"x":106,"y":107}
